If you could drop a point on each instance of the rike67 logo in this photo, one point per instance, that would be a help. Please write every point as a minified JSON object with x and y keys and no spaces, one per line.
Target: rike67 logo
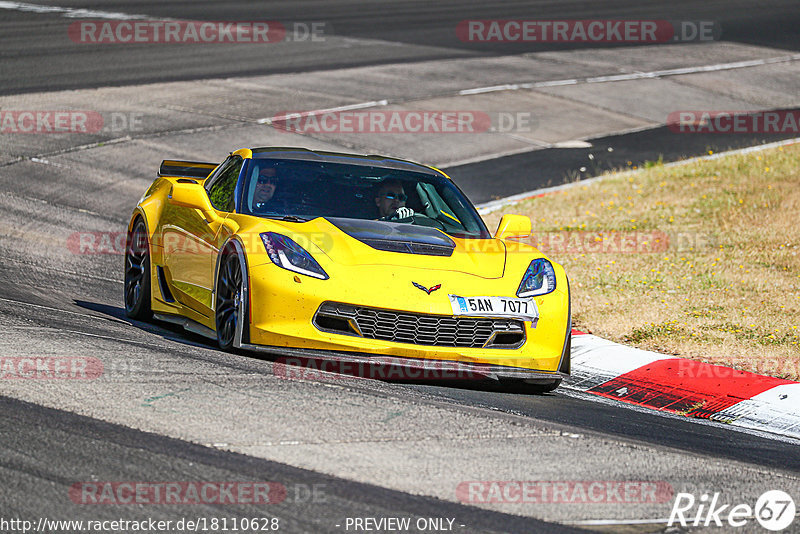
{"x":774,"y":510}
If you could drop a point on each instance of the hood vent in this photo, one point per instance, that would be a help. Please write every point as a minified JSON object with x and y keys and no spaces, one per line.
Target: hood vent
{"x":396,"y":237}
{"x":409,"y":247}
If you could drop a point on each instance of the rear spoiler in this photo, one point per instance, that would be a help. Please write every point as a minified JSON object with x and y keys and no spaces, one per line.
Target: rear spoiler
{"x":189,"y":169}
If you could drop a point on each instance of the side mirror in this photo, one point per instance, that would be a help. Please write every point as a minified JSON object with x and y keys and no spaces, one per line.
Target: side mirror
{"x":513,"y":226}
{"x":192,"y":196}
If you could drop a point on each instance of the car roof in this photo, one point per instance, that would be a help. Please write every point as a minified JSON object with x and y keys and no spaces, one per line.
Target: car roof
{"x":305,"y":154}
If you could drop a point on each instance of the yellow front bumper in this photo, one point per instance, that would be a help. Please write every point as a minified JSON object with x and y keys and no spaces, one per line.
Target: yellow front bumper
{"x":283,"y":304}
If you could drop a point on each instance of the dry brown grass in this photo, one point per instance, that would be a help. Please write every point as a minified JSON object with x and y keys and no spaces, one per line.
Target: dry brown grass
{"x":711,"y":269}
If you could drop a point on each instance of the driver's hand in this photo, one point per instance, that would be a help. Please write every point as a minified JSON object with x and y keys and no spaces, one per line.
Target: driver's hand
{"x":403,"y":213}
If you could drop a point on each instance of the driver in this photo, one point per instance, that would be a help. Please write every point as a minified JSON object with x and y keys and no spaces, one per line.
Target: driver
{"x":266,"y":184}
{"x":391,"y":201}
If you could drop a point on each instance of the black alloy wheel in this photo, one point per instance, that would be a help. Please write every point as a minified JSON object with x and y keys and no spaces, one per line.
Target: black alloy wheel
{"x":137,"y":273}
{"x":229,"y":296}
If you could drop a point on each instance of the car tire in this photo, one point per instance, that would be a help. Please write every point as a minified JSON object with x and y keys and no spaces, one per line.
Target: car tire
{"x":137,"y":273}
{"x":228,"y":296}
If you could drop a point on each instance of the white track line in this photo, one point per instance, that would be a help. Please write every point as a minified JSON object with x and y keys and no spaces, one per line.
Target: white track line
{"x":634,"y":75}
{"x":70,"y":12}
{"x":59,"y":310}
{"x":348,"y":107}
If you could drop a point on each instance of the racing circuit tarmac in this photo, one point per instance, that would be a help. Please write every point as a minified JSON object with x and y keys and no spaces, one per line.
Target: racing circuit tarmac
{"x":170,"y":407}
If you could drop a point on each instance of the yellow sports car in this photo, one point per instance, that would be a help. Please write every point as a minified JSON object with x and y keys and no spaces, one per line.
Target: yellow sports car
{"x":342,"y":257}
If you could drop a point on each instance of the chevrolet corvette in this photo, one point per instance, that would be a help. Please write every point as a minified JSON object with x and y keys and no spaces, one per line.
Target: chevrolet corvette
{"x":345,"y":257}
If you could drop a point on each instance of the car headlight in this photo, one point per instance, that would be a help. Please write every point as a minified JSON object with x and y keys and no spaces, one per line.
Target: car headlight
{"x":289,"y":255}
{"x":539,"y":279}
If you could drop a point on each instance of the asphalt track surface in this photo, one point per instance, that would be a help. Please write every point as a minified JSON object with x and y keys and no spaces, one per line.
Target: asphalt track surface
{"x":311,"y":503}
{"x":37,"y":55}
{"x":44,"y":450}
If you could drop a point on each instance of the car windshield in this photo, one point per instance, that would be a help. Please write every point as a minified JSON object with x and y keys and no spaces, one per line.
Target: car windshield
{"x":302,"y":190}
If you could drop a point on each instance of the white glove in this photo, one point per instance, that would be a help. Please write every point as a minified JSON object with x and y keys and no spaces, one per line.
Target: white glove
{"x":404,"y":213}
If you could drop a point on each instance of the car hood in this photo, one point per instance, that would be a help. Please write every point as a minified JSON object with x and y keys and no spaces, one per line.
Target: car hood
{"x":368,"y":242}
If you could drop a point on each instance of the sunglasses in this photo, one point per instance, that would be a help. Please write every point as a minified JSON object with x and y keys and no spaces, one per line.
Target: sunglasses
{"x":402,"y":197}
{"x":267,"y":180}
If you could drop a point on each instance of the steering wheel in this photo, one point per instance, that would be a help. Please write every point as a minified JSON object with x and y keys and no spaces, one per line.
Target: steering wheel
{"x":420,"y":219}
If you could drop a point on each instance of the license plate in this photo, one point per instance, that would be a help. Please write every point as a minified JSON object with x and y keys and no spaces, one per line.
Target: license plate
{"x":524,"y":309}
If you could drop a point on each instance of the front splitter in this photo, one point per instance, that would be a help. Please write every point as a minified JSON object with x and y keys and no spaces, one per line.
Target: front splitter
{"x":416,"y":368}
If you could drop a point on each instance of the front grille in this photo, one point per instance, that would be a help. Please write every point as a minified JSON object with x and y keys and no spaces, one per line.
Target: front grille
{"x":419,"y":329}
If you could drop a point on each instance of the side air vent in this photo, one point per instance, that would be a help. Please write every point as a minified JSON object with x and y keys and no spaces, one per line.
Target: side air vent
{"x":162,"y":285}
